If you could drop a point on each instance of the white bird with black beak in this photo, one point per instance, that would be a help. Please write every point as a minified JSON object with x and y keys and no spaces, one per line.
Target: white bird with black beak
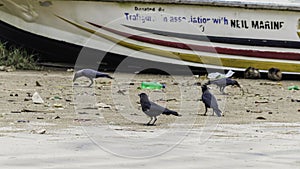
{"x":91,"y":74}
{"x":153,"y":110}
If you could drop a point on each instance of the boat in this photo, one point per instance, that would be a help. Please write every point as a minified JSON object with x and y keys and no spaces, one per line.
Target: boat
{"x":222,"y":34}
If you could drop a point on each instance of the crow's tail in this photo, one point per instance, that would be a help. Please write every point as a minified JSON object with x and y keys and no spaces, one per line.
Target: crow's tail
{"x":109,"y":77}
{"x":103,"y":75}
{"x":218,"y":112}
{"x":168,"y":112}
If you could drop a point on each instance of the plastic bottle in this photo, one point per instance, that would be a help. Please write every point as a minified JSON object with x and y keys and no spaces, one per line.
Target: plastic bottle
{"x":152,"y":85}
{"x":293,"y":87}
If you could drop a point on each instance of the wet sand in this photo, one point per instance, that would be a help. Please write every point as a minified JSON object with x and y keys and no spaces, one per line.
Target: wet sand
{"x":103,"y":126}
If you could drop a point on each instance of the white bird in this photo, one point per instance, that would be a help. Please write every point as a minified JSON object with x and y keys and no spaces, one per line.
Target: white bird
{"x":152,"y":109}
{"x":91,"y":74}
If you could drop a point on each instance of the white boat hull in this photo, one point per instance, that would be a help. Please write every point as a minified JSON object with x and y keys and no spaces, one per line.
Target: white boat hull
{"x":194,"y":35}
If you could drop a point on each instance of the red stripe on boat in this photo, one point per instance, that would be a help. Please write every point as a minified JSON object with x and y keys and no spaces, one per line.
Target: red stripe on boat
{"x":220,"y":50}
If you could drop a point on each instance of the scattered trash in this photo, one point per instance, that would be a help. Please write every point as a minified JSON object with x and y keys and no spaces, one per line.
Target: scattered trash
{"x":57,"y":105}
{"x":41,"y":131}
{"x":37,"y":111}
{"x":295,"y":87}
{"x":27,"y":99}
{"x":152,"y":85}
{"x":175,"y":83}
{"x":218,"y":75}
{"x":274,"y":74}
{"x":68,"y":100}
{"x":14,"y":94}
{"x":252,"y":73}
{"x":173,"y":99}
{"x":82,"y":120}
{"x":10,"y":100}
{"x":82,"y":113}
{"x":103,"y":105}
{"x":7,"y":68}
{"x":271,"y":83}
{"x":121,"y":92}
{"x":56,"y":98}
{"x":36,"y":98}
{"x":23,"y":121}
{"x":261,"y":118}
{"x":15,"y":112}
{"x":70,"y":70}
{"x":56,"y":117}
{"x":197,"y":84}
{"x":37,"y":84}
{"x":295,"y":100}
{"x":256,"y":102}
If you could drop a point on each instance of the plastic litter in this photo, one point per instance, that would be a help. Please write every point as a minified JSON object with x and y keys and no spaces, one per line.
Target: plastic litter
{"x":36,"y":98}
{"x":295,"y":87}
{"x":152,"y":85}
{"x":217,"y":75}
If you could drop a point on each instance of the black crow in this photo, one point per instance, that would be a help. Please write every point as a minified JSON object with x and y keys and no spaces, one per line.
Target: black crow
{"x":152,"y":109}
{"x":91,"y":74}
{"x":210,"y":101}
{"x":222,"y":83}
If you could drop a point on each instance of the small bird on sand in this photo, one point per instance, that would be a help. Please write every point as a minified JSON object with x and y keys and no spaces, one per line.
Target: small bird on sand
{"x":222,"y":83}
{"x":274,"y":74}
{"x":210,"y":101}
{"x":91,"y":74}
{"x":152,"y":109}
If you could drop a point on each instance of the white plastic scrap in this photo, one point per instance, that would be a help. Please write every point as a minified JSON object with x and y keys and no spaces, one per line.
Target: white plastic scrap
{"x":36,"y":98}
{"x":217,"y":75}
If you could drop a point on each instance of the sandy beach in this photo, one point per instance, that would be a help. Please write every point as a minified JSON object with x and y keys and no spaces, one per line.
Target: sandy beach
{"x":103,"y":126}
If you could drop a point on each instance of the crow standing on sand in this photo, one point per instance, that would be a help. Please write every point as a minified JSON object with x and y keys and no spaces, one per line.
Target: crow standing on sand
{"x":210,"y":101}
{"x":152,"y":109}
{"x":222,"y":83}
{"x":91,"y":74}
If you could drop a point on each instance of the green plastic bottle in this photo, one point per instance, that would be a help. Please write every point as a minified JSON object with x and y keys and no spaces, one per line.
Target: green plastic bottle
{"x":293,"y":87}
{"x":152,"y":85}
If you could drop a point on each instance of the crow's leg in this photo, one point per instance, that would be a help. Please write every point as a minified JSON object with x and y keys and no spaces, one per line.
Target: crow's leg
{"x":149,"y":121}
{"x":92,"y":82}
{"x":154,"y":120}
{"x":222,"y":89}
{"x":205,"y":111}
